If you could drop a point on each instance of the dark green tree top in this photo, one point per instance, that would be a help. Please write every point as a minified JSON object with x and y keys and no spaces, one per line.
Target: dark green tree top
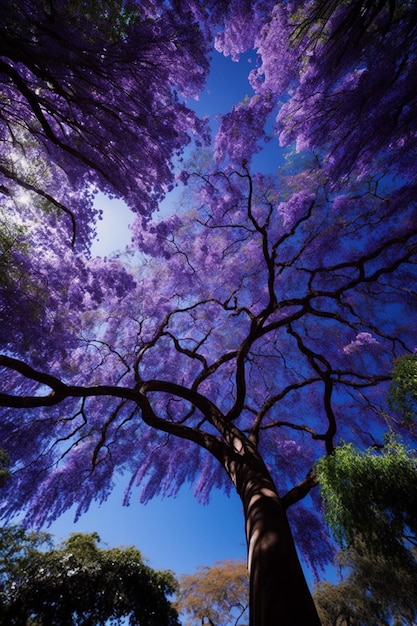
{"x":79,"y":584}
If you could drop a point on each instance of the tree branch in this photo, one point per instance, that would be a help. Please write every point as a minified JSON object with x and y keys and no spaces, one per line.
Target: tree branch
{"x":300,"y":491}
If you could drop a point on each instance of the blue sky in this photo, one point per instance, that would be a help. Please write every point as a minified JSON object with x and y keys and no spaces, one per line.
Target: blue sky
{"x":172,"y":533}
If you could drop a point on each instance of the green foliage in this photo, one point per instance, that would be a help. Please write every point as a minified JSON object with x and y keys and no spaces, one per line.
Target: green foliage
{"x":10,"y":242}
{"x":4,"y":467}
{"x":215,"y":595}
{"x":112,"y":17}
{"x":402,"y":395}
{"x":78,"y":584}
{"x":372,"y":494}
{"x":376,"y":591}
{"x":16,"y":545}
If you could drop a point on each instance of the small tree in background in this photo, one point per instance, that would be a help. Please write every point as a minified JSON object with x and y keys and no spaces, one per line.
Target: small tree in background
{"x":216,"y":595}
{"x":79,"y":584}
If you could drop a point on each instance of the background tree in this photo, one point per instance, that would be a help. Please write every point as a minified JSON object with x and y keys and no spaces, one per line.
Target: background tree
{"x":370,"y":503}
{"x":403,"y":390}
{"x":372,"y":494}
{"x":216,"y":595}
{"x":79,"y":583}
{"x":250,"y":330}
{"x":374,"y":589}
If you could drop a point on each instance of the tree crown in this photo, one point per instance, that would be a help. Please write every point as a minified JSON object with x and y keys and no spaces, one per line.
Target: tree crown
{"x":257,"y":321}
{"x":79,"y":583}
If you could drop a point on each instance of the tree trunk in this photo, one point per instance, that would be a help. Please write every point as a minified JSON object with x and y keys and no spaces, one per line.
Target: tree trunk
{"x":279,"y":594}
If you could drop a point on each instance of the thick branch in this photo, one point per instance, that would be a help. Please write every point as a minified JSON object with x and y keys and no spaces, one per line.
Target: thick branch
{"x":300,"y":491}
{"x":61,"y":391}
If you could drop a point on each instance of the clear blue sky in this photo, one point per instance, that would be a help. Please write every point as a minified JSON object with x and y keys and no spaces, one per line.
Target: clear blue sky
{"x":174,"y":533}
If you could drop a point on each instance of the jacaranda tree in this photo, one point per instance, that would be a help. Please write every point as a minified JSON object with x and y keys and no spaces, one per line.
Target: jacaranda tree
{"x":244,"y":333}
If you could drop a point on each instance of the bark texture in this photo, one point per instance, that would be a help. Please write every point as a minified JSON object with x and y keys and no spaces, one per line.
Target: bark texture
{"x":279,"y":595}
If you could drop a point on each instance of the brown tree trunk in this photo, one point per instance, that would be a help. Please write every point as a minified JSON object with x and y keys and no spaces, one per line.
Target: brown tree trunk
{"x":279,"y":595}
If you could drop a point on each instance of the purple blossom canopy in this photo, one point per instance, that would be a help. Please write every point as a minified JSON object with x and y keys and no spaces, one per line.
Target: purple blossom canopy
{"x":258,"y":318}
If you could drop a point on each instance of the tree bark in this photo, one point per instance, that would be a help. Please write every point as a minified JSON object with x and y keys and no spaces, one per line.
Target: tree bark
{"x":279,"y":594}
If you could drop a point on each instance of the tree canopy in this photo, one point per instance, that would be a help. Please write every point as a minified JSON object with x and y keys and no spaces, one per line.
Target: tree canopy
{"x":75,"y":74}
{"x":216,"y":595}
{"x":370,"y":503}
{"x":375,"y":589}
{"x":403,"y":389}
{"x":79,"y":583}
{"x":360,"y":500}
{"x":252,"y":327}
